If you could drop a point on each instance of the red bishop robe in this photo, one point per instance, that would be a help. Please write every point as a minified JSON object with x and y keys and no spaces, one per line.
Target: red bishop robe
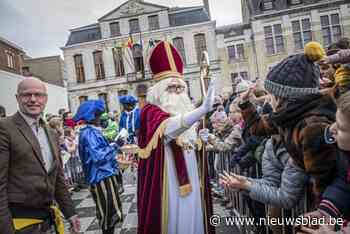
{"x":152,"y":198}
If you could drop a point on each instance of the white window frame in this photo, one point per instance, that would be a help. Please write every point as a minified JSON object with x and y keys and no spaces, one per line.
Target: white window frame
{"x":115,"y":34}
{"x":301,"y":30}
{"x":329,"y":14}
{"x":235,"y":46}
{"x":271,"y":24}
{"x":152,"y":27}
{"x":10,"y":59}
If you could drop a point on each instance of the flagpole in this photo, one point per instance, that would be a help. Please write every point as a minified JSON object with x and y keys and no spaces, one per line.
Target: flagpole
{"x":143,"y":64}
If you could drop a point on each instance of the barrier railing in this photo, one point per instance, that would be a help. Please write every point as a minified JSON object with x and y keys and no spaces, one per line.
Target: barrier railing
{"x":240,"y":202}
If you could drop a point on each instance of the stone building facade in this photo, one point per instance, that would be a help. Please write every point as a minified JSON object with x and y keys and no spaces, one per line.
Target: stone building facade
{"x":273,"y":29}
{"x":100,"y":64}
{"x":48,"y":69}
{"x":11,"y":57}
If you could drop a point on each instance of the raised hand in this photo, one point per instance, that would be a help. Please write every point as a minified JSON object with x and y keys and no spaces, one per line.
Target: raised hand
{"x":208,"y":103}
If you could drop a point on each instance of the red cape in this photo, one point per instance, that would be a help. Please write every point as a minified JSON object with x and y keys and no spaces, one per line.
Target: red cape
{"x":151,"y":193}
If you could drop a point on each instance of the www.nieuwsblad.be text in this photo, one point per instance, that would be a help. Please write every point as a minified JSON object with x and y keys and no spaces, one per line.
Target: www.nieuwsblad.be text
{"x":216,"y":220}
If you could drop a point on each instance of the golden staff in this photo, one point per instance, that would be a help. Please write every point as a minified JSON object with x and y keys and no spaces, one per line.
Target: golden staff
{"x":204,"y":82}
{"x":204,"y":76}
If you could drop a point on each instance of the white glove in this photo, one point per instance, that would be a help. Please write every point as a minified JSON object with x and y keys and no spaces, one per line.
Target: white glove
{"x":207,"y":106}
{"x":123,"y":134}
{"x":209,"y":100}
{"x":204,"y":134}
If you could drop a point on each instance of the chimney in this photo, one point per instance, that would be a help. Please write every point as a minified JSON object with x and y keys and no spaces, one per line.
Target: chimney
{"x":207,"y":8}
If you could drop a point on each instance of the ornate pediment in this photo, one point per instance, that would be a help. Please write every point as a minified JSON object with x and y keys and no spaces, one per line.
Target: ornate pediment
{"x":132,"y":8}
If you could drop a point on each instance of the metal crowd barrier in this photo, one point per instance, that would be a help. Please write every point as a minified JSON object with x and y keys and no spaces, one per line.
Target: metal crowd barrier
{"x":240,"y":203}
{"x":74,"y":171}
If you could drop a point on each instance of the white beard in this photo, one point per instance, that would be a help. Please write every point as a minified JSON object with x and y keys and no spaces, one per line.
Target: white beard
{"x":179,"y":104}
{"x":174,"y":104}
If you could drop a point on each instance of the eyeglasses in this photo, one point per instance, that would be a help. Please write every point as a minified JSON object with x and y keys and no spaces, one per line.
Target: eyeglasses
{"x":28,"y":96}
{"x":175,"y":88}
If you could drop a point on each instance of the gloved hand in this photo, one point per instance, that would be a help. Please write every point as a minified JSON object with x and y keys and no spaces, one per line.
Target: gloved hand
{"x":123,"y":134}
{"x":207,"y":106}
{"x":204,"y":134}
{"x":208,"y":103}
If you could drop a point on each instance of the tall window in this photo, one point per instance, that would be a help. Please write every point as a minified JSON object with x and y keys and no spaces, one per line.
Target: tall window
{"x":79,"y":68}
{"x":153,"y":22}
{"x":83,"y":99}
{"x":235,"y":52}
{"x":115,"y":29}
{"x":231,"y":50}
{"x":99,"y":68}
{"x":10,"y":59}
{"x":331,"y":29}
{"x":178,"y":42}
{"x":200,"y":44}
{"x":138,"y":57}
{"x":104,"y":97}
{"x":244,"y":75}
{"x":118,"y":61}
{"x":301,"y":32}
{"x":134,"y":26}
{"x":274,"y":39}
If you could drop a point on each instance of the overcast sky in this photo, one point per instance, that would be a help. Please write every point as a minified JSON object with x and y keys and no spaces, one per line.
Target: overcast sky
{"x":41,"y":27}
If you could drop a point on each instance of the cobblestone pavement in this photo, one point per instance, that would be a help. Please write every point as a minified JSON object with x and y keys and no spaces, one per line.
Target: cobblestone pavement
{"x":86,"y":209}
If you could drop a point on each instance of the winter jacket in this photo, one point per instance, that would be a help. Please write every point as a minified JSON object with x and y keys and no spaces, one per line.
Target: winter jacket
{"x":336,"y":198}
{"x":283,"y":182}
{"x":301,"y":123}
{"x":252,"y":153}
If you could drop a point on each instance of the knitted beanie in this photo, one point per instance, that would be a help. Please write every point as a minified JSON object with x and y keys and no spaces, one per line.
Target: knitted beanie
{"x":297,"y":75}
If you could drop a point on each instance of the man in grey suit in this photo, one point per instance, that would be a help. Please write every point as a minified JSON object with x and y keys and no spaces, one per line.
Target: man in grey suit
{"x":31,"y":177}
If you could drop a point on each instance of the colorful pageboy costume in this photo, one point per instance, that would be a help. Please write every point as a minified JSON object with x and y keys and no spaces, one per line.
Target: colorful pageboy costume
{"x":173,"y":190}
{"x":100,"y":166}
{"x":129,"y":120}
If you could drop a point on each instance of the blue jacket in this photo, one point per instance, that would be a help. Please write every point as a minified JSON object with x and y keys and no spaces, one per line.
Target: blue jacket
{"x":97,"y":156}
{"x":133,"y":123}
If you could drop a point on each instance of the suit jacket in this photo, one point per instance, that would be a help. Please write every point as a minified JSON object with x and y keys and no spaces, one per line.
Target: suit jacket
{"x":24,"y":180}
